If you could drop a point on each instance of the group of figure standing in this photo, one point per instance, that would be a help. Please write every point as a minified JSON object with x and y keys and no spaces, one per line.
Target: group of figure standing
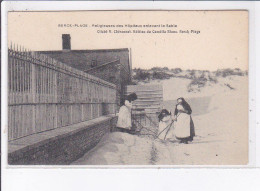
{"x":180,"y":126}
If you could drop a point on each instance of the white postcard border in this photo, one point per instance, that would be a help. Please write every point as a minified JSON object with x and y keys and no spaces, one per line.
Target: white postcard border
{"x":10,"y":174}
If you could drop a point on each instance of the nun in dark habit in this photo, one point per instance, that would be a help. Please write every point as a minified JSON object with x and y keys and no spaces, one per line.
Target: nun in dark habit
{"x":184,"y":126}
{"x":124,"y":123}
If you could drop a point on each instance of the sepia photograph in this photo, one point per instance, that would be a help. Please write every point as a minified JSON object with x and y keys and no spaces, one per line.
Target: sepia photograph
{"x":128,"y":88}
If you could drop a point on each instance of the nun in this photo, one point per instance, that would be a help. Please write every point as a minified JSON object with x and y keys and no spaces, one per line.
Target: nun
{"x":184,"y":127}
{"x":124,"y":122}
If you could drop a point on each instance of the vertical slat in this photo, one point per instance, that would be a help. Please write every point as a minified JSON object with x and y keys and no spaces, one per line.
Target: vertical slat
{"x":33,"y":93}
{"x":46,"y":98}
{"x":20,"y":78}
{"x":9,"y":123}
{"x":55,"y":100}
{"x":15,"y":79}
{"x":25,"y":79}
{"x":40,"y":83}
{"x":43,"y":84}
{"x":47,"y":85}
{"x":23,"y":75}
{"x":15,"y":120}
{"x":10,"y":93}
{"x":10,"y":56}
{"x":20,"y":122}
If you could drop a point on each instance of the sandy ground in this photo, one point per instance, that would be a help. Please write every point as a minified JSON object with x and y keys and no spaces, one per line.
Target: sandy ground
{"x":221,"y":124}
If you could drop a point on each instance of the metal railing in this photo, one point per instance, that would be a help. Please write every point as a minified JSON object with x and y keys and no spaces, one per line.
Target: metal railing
{"x":145,"y":123}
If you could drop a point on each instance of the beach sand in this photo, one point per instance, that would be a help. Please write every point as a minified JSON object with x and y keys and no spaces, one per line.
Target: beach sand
{"x":220,"y":115}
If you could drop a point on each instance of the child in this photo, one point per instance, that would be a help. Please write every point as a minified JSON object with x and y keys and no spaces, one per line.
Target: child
{"x":165,"y":130}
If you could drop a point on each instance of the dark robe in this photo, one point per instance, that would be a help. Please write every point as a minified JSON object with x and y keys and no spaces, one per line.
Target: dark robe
{"x":188,"y":110}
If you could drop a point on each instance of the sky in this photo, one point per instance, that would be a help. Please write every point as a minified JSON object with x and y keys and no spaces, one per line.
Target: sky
{"x":222,"y":41}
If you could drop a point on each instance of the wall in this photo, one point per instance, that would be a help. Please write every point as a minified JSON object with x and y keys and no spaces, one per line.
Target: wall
{"x":60,"y":146}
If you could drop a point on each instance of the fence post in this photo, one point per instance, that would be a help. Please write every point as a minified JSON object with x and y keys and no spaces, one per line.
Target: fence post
{"x":55,"y":74}
{"x":33,"y":92}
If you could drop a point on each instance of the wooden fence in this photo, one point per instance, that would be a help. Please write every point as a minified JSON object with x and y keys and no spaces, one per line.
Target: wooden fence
{"x":45,"y":94}
{"x":147,"y":106}
{"x":150,"y":97}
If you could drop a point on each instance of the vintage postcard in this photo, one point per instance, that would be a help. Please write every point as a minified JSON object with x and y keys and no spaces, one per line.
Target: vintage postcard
{"x":127,"y":88}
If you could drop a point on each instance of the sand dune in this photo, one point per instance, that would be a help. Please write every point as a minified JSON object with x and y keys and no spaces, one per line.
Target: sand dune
{"x":220,"y":116}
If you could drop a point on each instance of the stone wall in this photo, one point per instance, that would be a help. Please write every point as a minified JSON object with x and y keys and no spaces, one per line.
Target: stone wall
{"x":60,"y":146}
